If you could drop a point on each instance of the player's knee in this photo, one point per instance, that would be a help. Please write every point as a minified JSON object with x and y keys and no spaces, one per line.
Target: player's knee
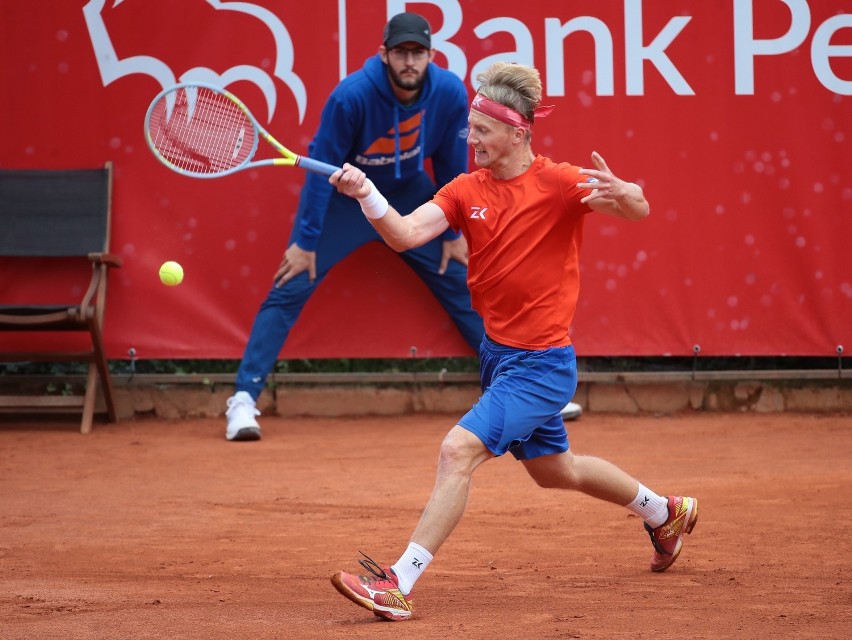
{"x":461,"y":452}
{"x":453,"y":455}
{"x":560,"y":479}
{"x":554,"y":472}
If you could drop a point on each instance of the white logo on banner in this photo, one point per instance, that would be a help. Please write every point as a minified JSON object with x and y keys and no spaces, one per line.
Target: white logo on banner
{"x":112,"y":68}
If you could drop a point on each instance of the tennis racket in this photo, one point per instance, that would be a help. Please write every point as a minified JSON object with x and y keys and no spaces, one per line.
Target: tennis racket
{"x":203,"y":131}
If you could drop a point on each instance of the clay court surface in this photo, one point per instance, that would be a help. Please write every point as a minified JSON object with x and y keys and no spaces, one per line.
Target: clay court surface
{"x":148,"y":529}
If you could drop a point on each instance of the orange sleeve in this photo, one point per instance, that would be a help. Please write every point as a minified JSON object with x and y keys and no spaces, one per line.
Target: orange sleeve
{"x":447,"y":199}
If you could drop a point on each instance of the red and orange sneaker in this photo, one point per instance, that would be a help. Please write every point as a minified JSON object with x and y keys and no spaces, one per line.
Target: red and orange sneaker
{"x":378,"y":592}
{"x":667,"y":538}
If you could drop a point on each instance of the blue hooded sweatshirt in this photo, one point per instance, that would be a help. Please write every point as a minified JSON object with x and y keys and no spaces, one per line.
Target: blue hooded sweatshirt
{"x":363,"y":123}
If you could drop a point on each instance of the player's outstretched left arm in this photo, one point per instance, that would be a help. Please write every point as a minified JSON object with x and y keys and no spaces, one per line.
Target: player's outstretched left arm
{"x":399,"y":232}
{"x":609,"y":194}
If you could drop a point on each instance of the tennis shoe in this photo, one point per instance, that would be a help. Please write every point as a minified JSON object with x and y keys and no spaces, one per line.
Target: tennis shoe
{"x":668,"y":537}
{"x":379,"y":592}
{"x":241,"y":413}
{"x":572,"y":411}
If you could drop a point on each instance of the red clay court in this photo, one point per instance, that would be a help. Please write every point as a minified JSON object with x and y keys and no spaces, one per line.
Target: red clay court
{"x":151,"y":529}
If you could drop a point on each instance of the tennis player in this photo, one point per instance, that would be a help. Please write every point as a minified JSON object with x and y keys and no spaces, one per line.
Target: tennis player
{"x":522,"y":215}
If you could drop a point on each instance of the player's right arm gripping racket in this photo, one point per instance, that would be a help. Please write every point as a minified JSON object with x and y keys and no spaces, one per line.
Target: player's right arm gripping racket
{"x":203,"y":131}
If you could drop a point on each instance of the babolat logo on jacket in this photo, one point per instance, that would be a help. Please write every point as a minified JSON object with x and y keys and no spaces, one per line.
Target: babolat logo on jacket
{"x":398,"y":143}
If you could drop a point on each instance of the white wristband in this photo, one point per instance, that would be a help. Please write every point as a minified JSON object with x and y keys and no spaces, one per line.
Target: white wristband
{"x":374,"y":204}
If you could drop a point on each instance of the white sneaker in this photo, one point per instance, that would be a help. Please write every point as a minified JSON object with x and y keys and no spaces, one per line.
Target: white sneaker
{"x":572,"y":411}
{"x":241,"y":417}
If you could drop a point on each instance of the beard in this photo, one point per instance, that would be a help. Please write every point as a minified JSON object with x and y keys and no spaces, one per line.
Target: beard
{"x":409,"y":82}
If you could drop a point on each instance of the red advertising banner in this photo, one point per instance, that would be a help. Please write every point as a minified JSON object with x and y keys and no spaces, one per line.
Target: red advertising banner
{"x":734,"y":115}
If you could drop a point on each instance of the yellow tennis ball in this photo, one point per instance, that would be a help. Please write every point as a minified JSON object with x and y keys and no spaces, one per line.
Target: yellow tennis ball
{"x":171,"y":274}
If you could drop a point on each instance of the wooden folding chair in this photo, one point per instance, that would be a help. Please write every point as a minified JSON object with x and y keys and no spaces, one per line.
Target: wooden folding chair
{"x":54,"y":215}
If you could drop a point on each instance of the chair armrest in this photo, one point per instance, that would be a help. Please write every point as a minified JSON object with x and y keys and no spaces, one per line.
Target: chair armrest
{"x":94,"y":296}
{"x":109,"y":259}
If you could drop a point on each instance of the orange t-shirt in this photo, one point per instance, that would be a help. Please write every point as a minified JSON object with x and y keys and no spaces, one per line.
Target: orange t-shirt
{"x":524,"y":238}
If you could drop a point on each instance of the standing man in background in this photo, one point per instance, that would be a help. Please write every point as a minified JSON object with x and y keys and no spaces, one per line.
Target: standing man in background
{"x":390,"y":116}
{"x":386,"y":118}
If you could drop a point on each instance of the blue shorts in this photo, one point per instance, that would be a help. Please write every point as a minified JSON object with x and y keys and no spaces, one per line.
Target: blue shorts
{"x":523,"y":393}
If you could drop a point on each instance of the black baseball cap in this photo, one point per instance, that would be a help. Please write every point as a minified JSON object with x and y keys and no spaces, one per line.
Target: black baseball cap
{"x":408,"y":27}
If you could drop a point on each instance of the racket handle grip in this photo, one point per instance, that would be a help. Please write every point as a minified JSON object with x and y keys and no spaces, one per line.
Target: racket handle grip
{"x":316,"y":166}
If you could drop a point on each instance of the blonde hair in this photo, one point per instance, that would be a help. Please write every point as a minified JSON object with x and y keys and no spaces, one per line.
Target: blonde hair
{"x":516,"y":86}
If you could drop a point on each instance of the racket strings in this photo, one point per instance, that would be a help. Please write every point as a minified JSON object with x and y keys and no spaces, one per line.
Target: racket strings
{"x":201,"y":131}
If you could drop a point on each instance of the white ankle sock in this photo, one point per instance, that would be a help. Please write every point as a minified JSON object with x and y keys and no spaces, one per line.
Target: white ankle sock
{"x":411,"y":566}
{"x":652,"y":508}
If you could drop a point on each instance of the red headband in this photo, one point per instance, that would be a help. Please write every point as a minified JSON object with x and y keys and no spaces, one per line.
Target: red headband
{"x":506,"y":114}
